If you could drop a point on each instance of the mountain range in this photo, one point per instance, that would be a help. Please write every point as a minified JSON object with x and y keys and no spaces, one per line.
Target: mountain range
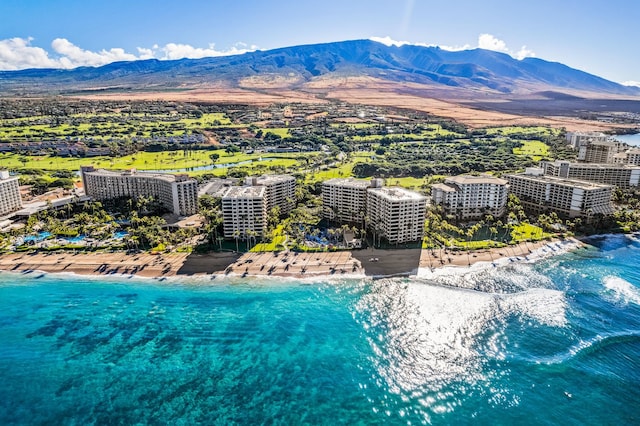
{"x":311,"y":68}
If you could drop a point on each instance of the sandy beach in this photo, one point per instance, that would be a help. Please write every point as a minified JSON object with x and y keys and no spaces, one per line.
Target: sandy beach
{"x":367,"y":262}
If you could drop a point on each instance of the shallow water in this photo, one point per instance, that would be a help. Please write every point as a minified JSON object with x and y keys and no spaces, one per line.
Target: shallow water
{"x":554,"y":342}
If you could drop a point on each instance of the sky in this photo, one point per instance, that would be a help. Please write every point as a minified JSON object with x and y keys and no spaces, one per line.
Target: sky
{"x":599,"y":37}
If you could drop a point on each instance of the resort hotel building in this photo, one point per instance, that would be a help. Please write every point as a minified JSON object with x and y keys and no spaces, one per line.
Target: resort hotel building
{"x":280,"y":190}
{"x":469,"y":197}
{"x":10,"y":200}
{"x":620,"y":175}
{"x":345,"y":199}
{"x":396,"y":213}
{"x":178,"y":193}
{"x":577,"y":139}
{"x":568,"y":198}
{"x":244,"y":212}
{"x":630,"y":156}
{"x":599,"y":151}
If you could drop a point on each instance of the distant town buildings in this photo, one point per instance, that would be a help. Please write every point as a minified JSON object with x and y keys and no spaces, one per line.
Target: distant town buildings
{"x":620,"y":175}
{"x":178,"y":193}
{"x":567,"y":197}
{"x":397,"y":213}
{"x":469,"y":197}
{"x":10,"y":200}
{"x":244,"y":212}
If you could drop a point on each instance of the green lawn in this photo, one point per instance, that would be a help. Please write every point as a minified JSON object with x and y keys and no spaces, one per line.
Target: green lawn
{"x":537,"y":150}
{"x":109,"y":126}
{"x":166,"y":160}
{"x":277,"y":239}
{"x":283,"y":132}
{"x":510,"y":130}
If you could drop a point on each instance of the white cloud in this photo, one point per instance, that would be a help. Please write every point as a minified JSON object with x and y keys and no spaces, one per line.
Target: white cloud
{"x":146,"y":53}
{"x":18,"y":53}
{"x":485,"y":41}
{"x":74,"y":56}
{"x":489,"y":42}
{"x":631,"y":83}
{"x":178,"y":51}
{"x":524,"y":52}
{"x":388,"y":41}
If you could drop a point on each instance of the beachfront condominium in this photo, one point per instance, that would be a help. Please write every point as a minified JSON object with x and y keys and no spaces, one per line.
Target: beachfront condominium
{"x":620,"y":175}
{"x":344,"y":200}
{"x":599,"y":151}
{"x":630,"y":156}
{"x":469,"y":197}
{"x":244,"y":212}
{"x":10,"y":200}
{"x":566,"y":197}
{"x":578,"y":139}
{"x":396,"y":214}
{"x":177,"y":193}
{"x":280,"y":191}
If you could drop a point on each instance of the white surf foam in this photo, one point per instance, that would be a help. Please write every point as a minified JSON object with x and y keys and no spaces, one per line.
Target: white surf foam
{"x":622,"y":290}
{"x":429,"y":333}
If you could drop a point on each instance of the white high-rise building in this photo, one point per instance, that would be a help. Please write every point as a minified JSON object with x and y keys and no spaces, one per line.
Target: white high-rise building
{"x":577,"y":139}
{"x":178,"y":193}
{"x":471,"y":197}
{"x":10,"y":200}
{"x":396,"y":213}
{"x":280,"y":191}
{"x":345,"y":199}
{"x":620,"y":175}
{"x":630,"y":156}
{"x":244,"y":212}
{"x":599,"y":151}
{"x":567,"y":197}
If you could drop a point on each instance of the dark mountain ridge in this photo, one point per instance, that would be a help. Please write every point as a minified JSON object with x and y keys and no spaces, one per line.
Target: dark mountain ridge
{"x":476,"y":69}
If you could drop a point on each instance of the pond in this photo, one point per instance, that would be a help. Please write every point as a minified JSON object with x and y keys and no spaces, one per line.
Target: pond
{"x":201,"y":168}
{"x":211,"y":166}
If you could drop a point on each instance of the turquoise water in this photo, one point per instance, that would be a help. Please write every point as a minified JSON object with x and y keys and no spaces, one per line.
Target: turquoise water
{"x":632,"y":139}
{"x":555,"y":342}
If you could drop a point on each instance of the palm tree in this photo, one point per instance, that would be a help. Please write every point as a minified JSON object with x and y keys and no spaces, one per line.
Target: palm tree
{"x":251,"y":234}
{"x":236,"y":236}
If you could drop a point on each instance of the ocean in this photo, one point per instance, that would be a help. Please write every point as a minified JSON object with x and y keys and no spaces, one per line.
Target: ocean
{"x":556,"y":341}
{"x":631,"y":139}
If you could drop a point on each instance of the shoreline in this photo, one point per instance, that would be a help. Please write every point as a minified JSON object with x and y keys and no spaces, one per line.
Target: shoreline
{"x":374,"y":263}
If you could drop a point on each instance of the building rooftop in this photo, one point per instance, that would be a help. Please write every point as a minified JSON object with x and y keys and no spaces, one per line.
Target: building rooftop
{"x":582,"y":184}
{"x":267,"y":179}
{"x":603,"y":166}
{"x":475,"y":179}
{"x":4,"y":175}
{"x":397,"y":193}
{"x":244,"y":192}
{"x":216,"y":187}
{"x":349,"y":182}
{"x":444,"y":187}
{"x":133,"y":172}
